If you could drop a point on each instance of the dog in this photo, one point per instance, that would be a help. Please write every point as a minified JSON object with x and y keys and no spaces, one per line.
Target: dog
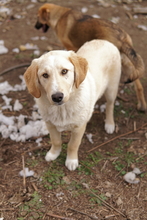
{"x":74,"y":29}
{"x":67,"y":85}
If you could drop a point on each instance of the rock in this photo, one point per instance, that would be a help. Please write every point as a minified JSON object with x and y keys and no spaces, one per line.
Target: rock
{"x":119,"y":201}
{"x":66,"y":180}
{"x":108,"y":194}
{"x":130,"y":177}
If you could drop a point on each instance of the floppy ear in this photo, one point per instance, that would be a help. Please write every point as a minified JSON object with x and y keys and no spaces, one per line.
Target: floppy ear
{"x":45,"y":14}
{"x":31,"y":80}
{"x":81,"y":67}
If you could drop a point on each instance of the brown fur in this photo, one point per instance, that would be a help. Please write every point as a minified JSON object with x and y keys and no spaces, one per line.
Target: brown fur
{"x":32,"y":80}
{"x":74,"y":29}
{"x":81,"y":67}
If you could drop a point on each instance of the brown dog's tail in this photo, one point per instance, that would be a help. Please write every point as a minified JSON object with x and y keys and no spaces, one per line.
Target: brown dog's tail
{"x":136,"y":70}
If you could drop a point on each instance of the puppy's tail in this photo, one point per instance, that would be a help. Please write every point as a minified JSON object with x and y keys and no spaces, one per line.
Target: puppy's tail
{"x":132,"y":63}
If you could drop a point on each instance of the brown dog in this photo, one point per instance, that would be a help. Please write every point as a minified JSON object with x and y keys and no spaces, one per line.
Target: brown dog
{"x":74,"y":29}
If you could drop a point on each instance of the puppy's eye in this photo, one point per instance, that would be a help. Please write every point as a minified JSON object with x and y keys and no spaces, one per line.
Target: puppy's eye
{"x":64,"y":71}
{"x":45,"y":75}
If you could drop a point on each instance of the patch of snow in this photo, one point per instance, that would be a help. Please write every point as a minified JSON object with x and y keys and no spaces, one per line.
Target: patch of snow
{"x":26,"y":172}
{"x":95,"y":16}
{"x":84,"y":9}
{"x":3,"y":49}
{"x":115,"y":20}
{"x":117,"y":103}
{"x":103,"y":107}
{"x":89,"y":136}
{"x":142,"y":27}
{"x":17,"y":105}
{"x":15,"y":50}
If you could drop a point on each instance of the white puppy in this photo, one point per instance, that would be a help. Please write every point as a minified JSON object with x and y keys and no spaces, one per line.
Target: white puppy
{"x":67,"y":85}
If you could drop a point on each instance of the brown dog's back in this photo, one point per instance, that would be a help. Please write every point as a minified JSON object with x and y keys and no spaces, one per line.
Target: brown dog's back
{"x":85,"y":28}
{"x":74,"y":29}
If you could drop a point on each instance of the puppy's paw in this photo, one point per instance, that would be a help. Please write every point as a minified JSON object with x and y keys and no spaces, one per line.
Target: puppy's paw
{"x":109,"y":128}
{"x":50,"y":156}
{"x":71,"y":164}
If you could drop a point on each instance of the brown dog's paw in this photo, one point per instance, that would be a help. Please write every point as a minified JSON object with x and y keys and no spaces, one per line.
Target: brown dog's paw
{"x":142,"y":107}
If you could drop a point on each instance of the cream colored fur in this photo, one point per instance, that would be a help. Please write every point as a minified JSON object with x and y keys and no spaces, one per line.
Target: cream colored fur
{"x":82,"y":78}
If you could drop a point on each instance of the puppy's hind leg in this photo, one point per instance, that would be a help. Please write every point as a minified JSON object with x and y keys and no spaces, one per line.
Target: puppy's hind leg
{"x":110,"y":95}
{"x":55,"y":136}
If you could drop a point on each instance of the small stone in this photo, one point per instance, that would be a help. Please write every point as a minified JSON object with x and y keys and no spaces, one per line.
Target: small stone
{"x":108,"y":194}
{"x":66,"y":180}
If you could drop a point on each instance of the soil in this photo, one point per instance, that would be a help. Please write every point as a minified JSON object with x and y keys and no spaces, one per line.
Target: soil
{"x":96,"y":190}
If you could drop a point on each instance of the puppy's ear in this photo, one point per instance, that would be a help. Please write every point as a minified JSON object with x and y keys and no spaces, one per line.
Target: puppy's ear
{"x":81,"y":67}
{"x":44,"y":13}
{"x":31,"y":79}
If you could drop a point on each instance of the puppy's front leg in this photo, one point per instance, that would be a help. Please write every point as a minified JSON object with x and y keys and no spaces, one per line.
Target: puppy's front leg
{"x":55,"y":136}
{"x":73,"y":146}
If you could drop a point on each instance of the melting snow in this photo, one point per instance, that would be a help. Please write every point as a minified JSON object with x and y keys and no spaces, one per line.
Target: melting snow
{"x":3,"y":49}
{"x":15,"y":127}
{"x":26,"y":172}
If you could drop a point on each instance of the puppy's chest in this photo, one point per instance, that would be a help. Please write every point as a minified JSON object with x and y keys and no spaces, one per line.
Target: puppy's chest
{"x":65,"y":118}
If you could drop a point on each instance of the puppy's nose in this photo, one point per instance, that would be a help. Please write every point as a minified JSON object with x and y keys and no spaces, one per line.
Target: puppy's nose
{"x":57,"y":97}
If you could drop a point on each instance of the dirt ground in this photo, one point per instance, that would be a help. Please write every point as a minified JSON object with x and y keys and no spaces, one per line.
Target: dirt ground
{"x":96,"y":190}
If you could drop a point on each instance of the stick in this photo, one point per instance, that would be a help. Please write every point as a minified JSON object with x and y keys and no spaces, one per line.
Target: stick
{"x":14,"y":67}
{"x":7,"y":209}
{"x":24,"y":176}
{"x":82,"y":213}
{"x":122,"y":135}
{"x":2,"y":142}
{"x":105,"y":203}
{"x":60,"y":217}
{"x":35,"y":187}
{"x":131,"y":138}
{"x":123,"y":99}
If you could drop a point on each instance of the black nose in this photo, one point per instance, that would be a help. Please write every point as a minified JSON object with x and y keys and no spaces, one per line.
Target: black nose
{"x":57,"y":97}
{"x":38,"y":25}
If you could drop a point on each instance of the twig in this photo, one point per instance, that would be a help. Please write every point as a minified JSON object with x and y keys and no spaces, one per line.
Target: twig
{"x":58,"y":216}
{"x":10,"y":162}
{"x":139,"y":191}
{"x":141,"y":156}
{"x":134,"y":125}
{"x":55,"y":44}
{"x":87,"y":167}
{"x":104,"y":165}
{"x":24,"y":176}
{"x":34,"y":148}
{"x":34,"y":186}
{"x":105,"y":203}
{"x":109,"y":216}
{"x":122,"y":135}
{"x":14,"y":67}
{"x":131,"y":138}
{"x":82,"y":213}
{"x":7,"y":209}
{"x":123,"y":99}
{"x":2,"y":142}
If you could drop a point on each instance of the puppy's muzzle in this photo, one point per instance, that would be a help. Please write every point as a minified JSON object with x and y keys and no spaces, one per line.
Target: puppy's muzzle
{"x":58,"y":98}
{"x":39,"y":25}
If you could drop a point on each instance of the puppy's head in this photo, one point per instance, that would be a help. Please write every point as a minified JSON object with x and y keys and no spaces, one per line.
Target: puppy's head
{"x":55,"y":75}
{"x":43,"y":17}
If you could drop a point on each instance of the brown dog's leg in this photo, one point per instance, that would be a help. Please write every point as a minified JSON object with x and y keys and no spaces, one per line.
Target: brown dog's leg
{"x":141,"y":106}
{"x":55,"y":137}
{"x":128,"y":68}
{"x":73,"y":146}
